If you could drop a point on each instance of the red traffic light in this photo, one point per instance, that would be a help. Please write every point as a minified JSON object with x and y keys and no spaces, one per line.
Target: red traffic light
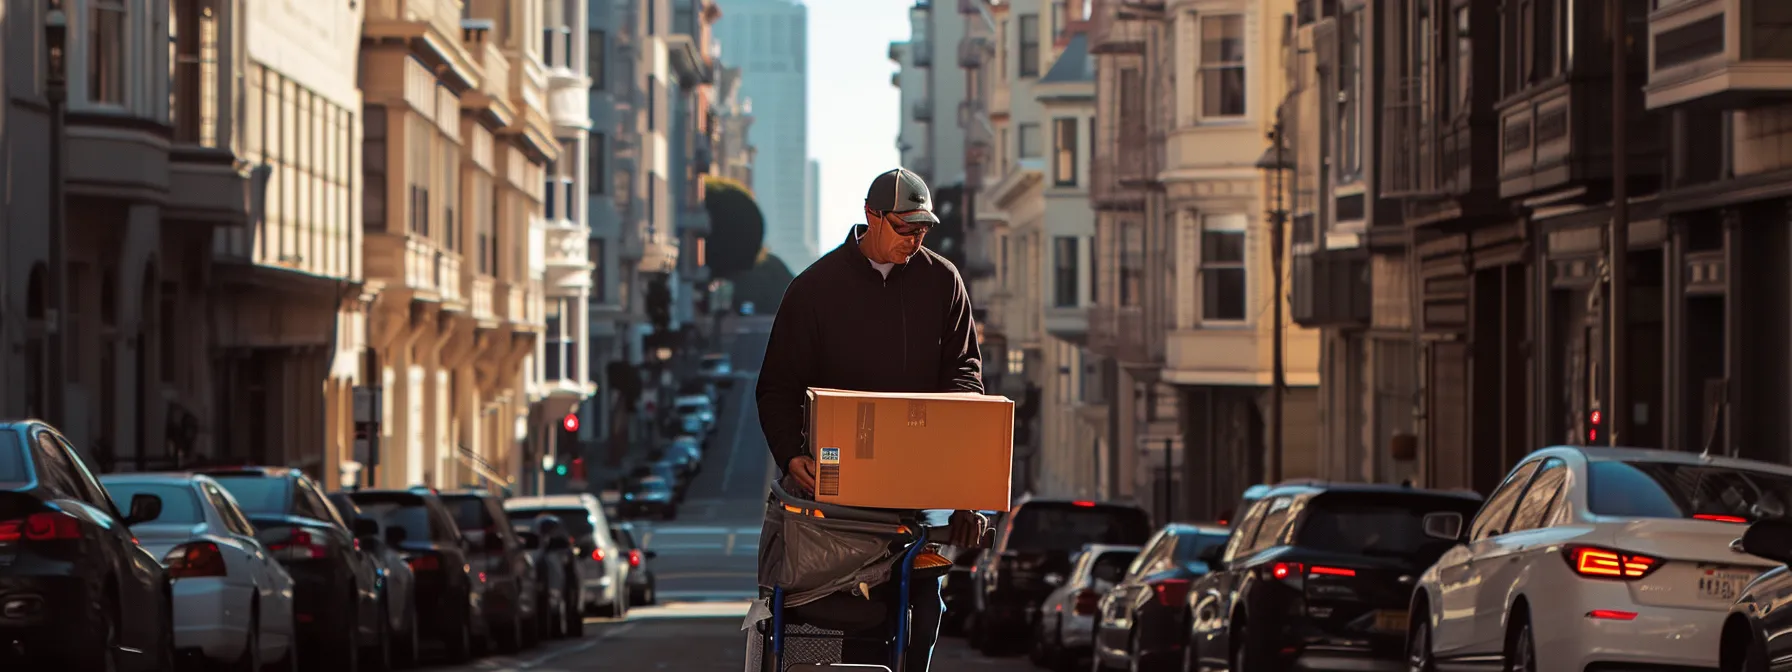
{"x":1595,"y":417}
{"x":570,"y":422}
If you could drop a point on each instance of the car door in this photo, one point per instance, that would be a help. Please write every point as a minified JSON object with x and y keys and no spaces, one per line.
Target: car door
{"x":1504,"y":562}
{"x":512,"y":567}
{"x":142,"y":585}
{"x":310,"y":502}
{"x":268,"y":575}
{"x":1213,"y":593}
{"x":1119,"y":605}
{"x":615,"y":556}
{"x":1455,"y":619}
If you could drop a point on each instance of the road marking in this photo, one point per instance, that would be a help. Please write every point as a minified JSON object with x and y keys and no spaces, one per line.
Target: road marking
{"x":688,"y":547}
{"x":670,"y":531}
{"x":730,"y":549}
{"x":689,"y":576}
{"x":740,"y":426}
{"x":709,"y":595}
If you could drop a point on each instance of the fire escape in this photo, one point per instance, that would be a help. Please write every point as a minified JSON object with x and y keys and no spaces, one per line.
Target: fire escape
{"x":1133,"y":100}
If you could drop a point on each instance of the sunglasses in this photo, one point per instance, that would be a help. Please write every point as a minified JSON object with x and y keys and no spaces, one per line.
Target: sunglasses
{"x":903,"y":228}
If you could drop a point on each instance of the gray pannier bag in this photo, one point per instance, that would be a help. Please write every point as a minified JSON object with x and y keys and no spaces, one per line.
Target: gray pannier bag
{"x":813,"y":550}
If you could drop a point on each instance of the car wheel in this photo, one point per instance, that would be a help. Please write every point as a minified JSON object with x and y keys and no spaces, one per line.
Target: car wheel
{"x":1521,"y":647}
{"x":1753,"y":658}
{"x":458,"y":645}
{"x":1418,"y":644}
{"x":382,"y":647}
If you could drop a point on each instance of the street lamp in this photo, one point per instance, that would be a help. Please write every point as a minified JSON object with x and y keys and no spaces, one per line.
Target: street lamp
{"x":1275,"y":162}
{"x":56,"y":90}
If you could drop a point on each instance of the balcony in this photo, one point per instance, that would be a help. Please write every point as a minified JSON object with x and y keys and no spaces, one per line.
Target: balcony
{"x":1120,"y":333}
{"x":632,"y":247}
{"x":569,"y":106}
{"x":477,"y":287}
{"x":922,"y":110}
{"x":1721,"y":53}
{"x":513,"y":303}
{"x":659,"y":253}
{"x":972,"y":50}
{"x":493,"y":95}
{"x":415,"y":263}
{"x":686,"y":46}
{"x":1119,"y":26}
{"x":921,"y":53}
{"x":430,"y":26}
{"x":1330,"y":288}
{"x":1121,"y":176}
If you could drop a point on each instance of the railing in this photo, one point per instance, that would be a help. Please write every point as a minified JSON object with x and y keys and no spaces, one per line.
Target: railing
{"x":443,"y":16}
{"x":923,"y":110}
{"x":447,"y":280}
{"x":479,"y":294}
{"x":972,"y":50}
{"x":482,"y":45}
{"x":1408,"y":167}
{"x":1120,"y":333}
{"x":1109,"y":33}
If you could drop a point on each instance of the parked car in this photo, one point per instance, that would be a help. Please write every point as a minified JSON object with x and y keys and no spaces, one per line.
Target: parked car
{"x":643,"y":587}
{"x":603,"y":565}
{"x":1596,"y":558}
{"x":557,"y":586}
{"x":336,"y":599}
{"x":719,"y":367}
{"x":398,"y":584}
{"x":448,"y":595}
{"x":80,"y":591}
{"x":1065,"y":637}
{"x":1755,"y":631}
{"x":1036,"y":540}
{"x":684,"y":456}
{"x":649,"y":497}
{"x":232,"y":599}
{"x":1143,"y":623}
{"x":698,"y":406}
{"x":665,"y":470}
{"x":503,"y":563}
{"x":702,"y":386}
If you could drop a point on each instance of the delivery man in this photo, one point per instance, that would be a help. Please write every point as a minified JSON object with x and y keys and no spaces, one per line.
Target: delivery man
{"x":880,"y":313}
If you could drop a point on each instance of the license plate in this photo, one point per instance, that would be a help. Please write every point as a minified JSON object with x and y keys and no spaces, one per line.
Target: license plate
{"x":1722,"y":585}
{"x":1390,"y":621}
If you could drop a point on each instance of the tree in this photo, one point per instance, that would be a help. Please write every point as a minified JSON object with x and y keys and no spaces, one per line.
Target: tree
{"x":737,"y":227}
{"x":764,"y":285}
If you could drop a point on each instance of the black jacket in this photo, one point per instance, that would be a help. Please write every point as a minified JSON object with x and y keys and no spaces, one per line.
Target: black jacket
{"x":842,"y":325}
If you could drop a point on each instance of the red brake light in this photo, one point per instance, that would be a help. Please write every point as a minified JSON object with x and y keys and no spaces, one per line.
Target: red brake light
{"x":1283,"y":570}
{"x":634,"y":558}
{"x":597,"y":554}
{"x":41,"y":527}
{"x":1331,"y":571}
{"x":425,"y":563}
{"x":300,"y":546}
{"x":1600,"y":563}
{"x":1087,"y":601}
{"x":1720,"y":519}
{"x":195,"y":560}
{"x":1612,"y":615}
{"x":1085,"y":504}
{"x":1171,"y":592}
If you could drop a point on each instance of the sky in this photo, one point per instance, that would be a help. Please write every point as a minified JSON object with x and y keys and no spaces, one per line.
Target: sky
{"x":853,"y":109}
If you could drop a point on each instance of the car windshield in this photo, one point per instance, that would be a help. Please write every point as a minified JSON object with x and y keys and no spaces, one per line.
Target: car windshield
{"x":649,"y":485}
{"x":1672,"y":490}
{"x":1378,"y":524}
{"x":577,"y":520}
{"x":1189,"y":547}
{"x":689,"y":407}
{"x":469,"y":512}
{"x":1041,"y":526}
{"x":12,"y":461}
{"x":179,"y":505}
{"x":256,"y":494}
{"x":404,"y":511}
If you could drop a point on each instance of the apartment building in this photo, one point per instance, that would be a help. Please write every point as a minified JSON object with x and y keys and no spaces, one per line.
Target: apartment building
{"x":768,"y":40}
{"x":692,"y":136}
{"x":457,"y":142}
{"x":561,"y":354}
{"x":931,"y":140}
{"x":734,"y":126}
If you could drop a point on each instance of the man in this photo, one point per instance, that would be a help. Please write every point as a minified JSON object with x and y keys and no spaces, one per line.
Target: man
{"x":880,"y":313}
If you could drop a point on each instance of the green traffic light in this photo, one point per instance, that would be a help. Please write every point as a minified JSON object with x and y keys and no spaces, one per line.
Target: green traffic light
{"x":561,"y":470}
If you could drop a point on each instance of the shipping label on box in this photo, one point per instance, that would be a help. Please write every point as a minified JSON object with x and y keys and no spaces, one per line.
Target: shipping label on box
{"x":912,"y":450}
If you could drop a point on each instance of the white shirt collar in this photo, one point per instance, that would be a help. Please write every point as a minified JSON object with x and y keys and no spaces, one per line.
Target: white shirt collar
{"x":882,"y":268}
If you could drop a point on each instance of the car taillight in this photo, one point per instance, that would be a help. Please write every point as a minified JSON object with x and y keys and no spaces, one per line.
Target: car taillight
{"x":1331,"y":571}
{"x":634,"y":558}
{"x":1171,"y":592}
{"x":424,"y":563}
{"x":1285,"y":570}
{"x":195,"y":560}
{"x":1087,"y":601}
{"x":41,"y":527}
{"x":1601,"y":563}
{"x":300,"y":546}
{"x":1718,"y":518}
{"x":597,"y":554}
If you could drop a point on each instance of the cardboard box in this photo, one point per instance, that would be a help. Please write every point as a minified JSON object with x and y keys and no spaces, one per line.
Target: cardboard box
{"x":912,"y":450}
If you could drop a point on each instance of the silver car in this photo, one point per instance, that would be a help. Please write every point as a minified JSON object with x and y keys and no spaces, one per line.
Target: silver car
{"x":603,"y":564}
{"x":1066,"y":620}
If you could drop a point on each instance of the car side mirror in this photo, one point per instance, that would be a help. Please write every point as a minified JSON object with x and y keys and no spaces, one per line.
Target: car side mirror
{"x":366,"y":528}
{"x":1771,"y":539}
{"x":530,"y":540}
{"x":145,"y":507}
{"x":395,"y":536}
{"x":1445,"y":525}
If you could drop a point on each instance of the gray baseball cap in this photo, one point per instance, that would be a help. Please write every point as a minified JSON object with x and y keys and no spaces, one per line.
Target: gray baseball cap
{"x":901,"y":190}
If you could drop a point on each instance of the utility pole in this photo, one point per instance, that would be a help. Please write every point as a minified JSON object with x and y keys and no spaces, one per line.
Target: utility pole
{"x":56,"y":317}
{"x":1277,"y":219}
{"x":1169,"y":484}
{"x":1617,"y":413}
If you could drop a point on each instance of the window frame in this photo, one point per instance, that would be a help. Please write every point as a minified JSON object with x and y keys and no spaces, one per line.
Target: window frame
{"x":1065,"y":149}
{"x":1028,"y":150}
{"x":1027,"y":61}
{"x":1517,"y":481}
{"x":1066,"y":258}
{"x":107,"y":45}
{"x":1229,"y":223}
{"x":1205,"y":68}
{"x":1554,"y":494}
{"x":597,"y":58}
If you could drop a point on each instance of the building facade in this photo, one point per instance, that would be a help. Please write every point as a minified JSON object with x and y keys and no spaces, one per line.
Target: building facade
{"x":768,"y":40}
{"x":693,"y":135}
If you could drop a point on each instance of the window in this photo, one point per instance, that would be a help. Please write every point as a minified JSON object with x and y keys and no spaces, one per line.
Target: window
{"x":653,"y":96}
{"x":1222,"y":66}
{"x":1060,"y":19}
{"x":1017,"y":362}
{"x":1376,"y":524}
{"x":1029,"y":45}
{"x":373,"y":167}
{"x":450,"y":162}
{"x":1464,"y":64}
{"x":1094,"y":271}
{"x":567,"y":176}
{"x":596,"y":57}
{"x":180,"y":505}
{"x":1064,"y":275}
{"x":562,"y":358}
{"x":1222,"y":274}
{"x":1350,"y":100}
{"x":1540,"y":498}
{"x":1027,"y":143}
{"x":596,"y":174}
{"x":550,"y":194}
{"x":653,"y":15}
{"x":1668,"y":490}
{"x":106,"y":42}
{"x":1132,"y":255}
{"x":1246,"y":527}
{"x":1269,"y":534}
{"x":193,"y":72}
{"x":1064,"y":160}
{"x":594,"y":253}
{"x":1491,"y":521}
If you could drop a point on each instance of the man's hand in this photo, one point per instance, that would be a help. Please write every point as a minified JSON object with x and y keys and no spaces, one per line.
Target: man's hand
{"x":967,"y":528}
{"x":802,"y":467}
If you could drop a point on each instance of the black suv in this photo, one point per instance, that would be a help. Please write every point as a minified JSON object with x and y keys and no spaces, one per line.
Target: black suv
{"x":336,"y":588}
{"x":418,"y":525}
{"x":1036,"y":540}
{"x":1317,"y":576}
{"x":502,"y":560}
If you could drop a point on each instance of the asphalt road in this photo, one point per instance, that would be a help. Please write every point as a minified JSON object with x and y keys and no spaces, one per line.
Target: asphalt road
{"x":706,"y":560}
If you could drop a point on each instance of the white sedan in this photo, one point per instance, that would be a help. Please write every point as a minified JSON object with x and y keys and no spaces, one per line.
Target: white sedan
{"x":232,"y":599}
{"x":1590,"y":557}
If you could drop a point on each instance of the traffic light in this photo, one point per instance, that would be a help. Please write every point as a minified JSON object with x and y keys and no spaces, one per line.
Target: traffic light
{"x":1593,"y":420}
{"x":560,"y":470}
{"x":578,"y":468}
